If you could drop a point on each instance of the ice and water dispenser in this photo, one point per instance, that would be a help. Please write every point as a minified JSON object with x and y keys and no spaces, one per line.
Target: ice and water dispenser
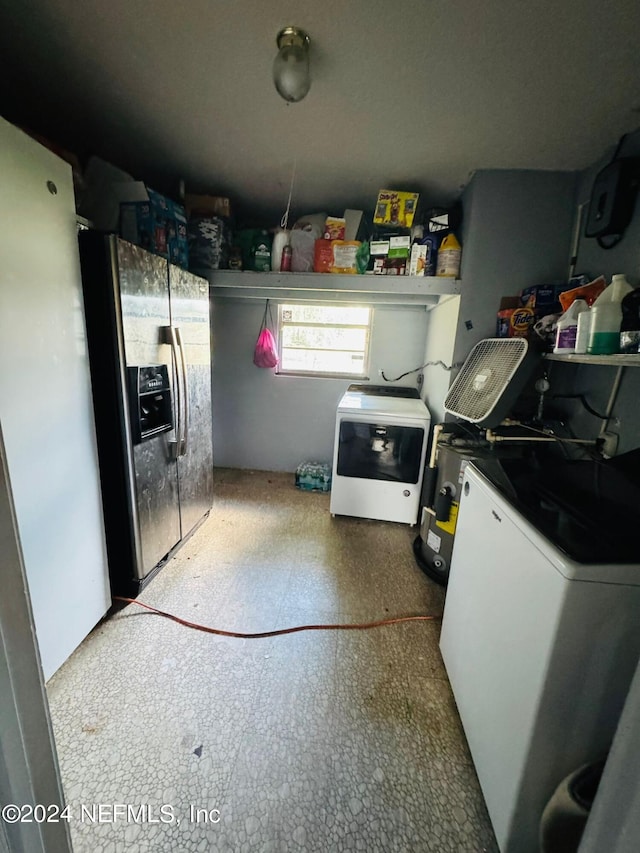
{"x":149,"y":401}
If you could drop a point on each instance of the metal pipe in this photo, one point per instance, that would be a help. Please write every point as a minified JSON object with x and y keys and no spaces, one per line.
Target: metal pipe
{"x":612,"y":399}
{"x":494,"y":438}
{"x":434,"y":444}
{"x":491,"y":436}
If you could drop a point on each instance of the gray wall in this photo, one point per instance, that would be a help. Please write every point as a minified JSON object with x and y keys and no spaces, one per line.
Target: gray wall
{"x":273,"y":423}
{"x":625,"y":257}
{"x":595,"y":382}
{"x":516,"y":232}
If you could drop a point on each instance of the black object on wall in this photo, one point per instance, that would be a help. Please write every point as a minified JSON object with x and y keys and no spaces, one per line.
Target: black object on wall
{"x":613,"y":199}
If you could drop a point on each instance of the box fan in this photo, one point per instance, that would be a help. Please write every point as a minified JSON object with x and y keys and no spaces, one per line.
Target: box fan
{"x":483,"y":393}
{"x":490,"y":380}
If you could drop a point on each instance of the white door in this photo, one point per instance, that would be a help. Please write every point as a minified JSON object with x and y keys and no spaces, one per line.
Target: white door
{"x":45,"y":398}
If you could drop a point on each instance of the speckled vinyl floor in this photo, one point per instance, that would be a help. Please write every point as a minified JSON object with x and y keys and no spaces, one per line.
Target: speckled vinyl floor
{"x":316,"y":741}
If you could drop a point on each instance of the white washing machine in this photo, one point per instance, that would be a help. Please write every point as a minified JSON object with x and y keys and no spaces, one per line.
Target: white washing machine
{"x":379,"y":453}
{"x":540,"y":649}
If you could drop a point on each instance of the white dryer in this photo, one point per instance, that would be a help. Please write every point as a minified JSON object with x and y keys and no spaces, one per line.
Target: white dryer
{"x":380,"y":448}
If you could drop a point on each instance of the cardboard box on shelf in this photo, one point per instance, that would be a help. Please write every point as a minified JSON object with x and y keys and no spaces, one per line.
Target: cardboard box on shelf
{"x":207,"y":205}
{"x":397,"y":260}
{"x":378,"y":251}
{"x":334,"y":228}
{"x":395,"y":208}
{"x":399,"y":247}
{"x":156,"y":223}
{"x":423,"y":257}
{"x":514,"y":322}
{"x":418,"y":259}
{"x":395,"y":266}
{"x":543,"y":298}
{"x":509,"y":302}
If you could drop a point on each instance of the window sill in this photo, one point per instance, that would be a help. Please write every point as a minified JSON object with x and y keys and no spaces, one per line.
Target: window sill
{"x":328,"y":287}
{"x":351,"y":377}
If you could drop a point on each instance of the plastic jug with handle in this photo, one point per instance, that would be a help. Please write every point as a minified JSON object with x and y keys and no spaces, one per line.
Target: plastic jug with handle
{"x":606,"y":318}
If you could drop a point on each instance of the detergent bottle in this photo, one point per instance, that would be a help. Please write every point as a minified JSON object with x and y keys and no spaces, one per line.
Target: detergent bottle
{"x":606,"y":318}
{"x":449,"y":255}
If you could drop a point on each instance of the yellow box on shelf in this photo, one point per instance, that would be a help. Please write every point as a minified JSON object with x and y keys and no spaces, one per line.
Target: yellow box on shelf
{"x":395,"y":208}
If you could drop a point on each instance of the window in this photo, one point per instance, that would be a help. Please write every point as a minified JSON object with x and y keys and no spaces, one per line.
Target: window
{"x":325,"y":340}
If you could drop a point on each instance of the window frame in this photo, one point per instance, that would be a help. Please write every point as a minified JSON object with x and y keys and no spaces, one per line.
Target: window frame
{"x":322,"y":374}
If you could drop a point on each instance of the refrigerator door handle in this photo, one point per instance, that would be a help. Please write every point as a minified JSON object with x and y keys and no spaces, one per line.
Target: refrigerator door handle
{"x":170,"y":337}
{"x":185,"y":397}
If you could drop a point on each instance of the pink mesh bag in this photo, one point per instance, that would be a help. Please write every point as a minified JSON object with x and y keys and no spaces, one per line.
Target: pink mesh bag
{"x":266,"y":350}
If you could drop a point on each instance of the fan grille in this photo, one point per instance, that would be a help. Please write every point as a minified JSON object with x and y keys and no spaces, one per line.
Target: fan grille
{"x":484,"y":377}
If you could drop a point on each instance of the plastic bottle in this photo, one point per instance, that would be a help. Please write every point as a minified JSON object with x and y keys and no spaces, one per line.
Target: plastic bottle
{"x":567,"y":328}
{"x":584,"y":329}
{"x":285,"y":263}
{"x":606,"y":319}
{"x":280,"y":240}
{"x":449,"y":255}
{"x":431,"y":242}
{"x":630,"y":328}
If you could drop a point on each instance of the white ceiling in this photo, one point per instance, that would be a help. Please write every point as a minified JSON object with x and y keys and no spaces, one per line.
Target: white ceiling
{"x":409,"y":95}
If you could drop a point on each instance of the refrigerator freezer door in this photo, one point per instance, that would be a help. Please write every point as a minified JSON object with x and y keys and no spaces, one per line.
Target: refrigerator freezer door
{"x":45,"y":398}
{"x":190,"y":317}
{"x":144,"y":304}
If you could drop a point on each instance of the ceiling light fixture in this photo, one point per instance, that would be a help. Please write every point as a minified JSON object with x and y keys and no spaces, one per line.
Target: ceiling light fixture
{"x":291,"y":65}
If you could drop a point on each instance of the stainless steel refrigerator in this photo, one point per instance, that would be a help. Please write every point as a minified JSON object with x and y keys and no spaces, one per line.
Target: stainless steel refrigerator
{"x":150,"y":353}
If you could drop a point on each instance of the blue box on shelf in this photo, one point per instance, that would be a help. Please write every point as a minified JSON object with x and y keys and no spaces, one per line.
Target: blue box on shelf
{"x":157,"y":224}
{"x":543,"y":298}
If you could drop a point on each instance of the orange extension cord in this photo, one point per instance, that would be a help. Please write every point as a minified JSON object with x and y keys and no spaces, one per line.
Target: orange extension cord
{"x":358,"y":626}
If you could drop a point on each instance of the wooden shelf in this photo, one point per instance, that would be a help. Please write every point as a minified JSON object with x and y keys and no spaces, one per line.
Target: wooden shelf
{"x":616,"y":360}
{"x":331,"y":287}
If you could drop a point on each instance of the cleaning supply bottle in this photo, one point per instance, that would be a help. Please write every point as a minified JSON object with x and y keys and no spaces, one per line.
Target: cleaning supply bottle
{"x":584,"y":329}
{"x":449,"y":255}
{"x":606,"y":319}
{"x":567,"y":328}
{"x":630,"y":328}
{"x":281,"y":238}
